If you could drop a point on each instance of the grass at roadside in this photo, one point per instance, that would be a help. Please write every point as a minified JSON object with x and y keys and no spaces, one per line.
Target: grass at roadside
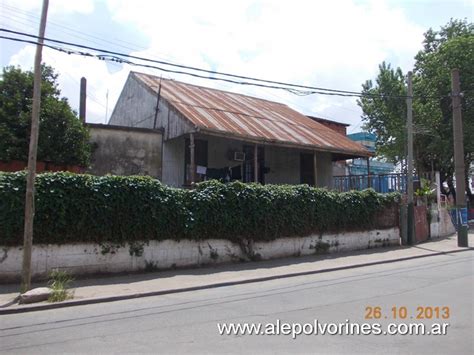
{"x":59,"y":282}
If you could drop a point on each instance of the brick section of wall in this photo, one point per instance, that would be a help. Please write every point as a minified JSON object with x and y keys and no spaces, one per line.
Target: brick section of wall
{"x":335,"y":126}
{"x":422,"y":230}
{"x":388,"y":217}
{"x":41,"y":166}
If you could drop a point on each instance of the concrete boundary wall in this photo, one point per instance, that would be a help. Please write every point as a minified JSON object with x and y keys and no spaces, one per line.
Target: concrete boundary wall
{"x":82,"y":259}
{"x":441,"y":224}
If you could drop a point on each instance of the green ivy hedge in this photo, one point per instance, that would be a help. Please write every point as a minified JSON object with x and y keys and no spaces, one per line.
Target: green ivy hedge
{"x":85,"y":208}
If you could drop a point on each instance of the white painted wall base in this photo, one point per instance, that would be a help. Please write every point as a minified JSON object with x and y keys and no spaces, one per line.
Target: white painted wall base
{"x":441,"y":224}
{"x":81,"y":259}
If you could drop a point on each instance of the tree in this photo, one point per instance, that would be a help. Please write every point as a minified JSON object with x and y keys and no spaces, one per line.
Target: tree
{"x":383,"y":112}
{"x":450,"y":47}
{"x":63,"y":139}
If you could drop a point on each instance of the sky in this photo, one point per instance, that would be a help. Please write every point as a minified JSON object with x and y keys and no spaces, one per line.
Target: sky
{"x":335,"y":44}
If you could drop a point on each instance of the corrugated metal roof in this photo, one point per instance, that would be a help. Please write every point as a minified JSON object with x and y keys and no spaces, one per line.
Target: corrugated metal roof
{"x":246,"y":117}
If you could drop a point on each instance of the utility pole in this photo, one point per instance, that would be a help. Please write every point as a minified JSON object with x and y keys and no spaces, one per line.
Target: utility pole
{"x":461,"y":209}
{"x":410,"y":207}
{"x":82,"y":100}
{"x":33,"y":149}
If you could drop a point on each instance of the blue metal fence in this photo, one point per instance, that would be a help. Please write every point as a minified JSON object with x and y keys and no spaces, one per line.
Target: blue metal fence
{"x":382,"y":183}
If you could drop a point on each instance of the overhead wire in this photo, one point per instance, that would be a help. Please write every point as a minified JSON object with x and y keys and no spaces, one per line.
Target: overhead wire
{"x":179,"y":65}
{"x":123,"y":58}
{"x":117,"y":57}
{"x":90,"y":94}
{"x":33,"y":19}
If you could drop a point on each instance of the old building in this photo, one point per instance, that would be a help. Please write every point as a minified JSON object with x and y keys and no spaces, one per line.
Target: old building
{"x":208,"y":133}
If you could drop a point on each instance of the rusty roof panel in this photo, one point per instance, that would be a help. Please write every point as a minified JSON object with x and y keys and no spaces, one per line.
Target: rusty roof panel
{"x":249,"y":117}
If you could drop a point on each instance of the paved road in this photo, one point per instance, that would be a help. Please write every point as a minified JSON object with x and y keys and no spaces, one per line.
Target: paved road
{"x":187,"y":322}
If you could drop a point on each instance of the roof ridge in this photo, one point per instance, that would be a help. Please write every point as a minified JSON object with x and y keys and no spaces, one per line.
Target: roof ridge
{"x":209,"y":88}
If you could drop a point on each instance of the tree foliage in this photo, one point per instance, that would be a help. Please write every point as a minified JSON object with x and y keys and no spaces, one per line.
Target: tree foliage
{"x":450,"y":47}
{"x":62,"y":137}
{"x":384,"y":113}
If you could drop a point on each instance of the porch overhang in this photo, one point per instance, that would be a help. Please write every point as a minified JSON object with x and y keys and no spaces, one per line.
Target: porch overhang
{"x":336,"y":154}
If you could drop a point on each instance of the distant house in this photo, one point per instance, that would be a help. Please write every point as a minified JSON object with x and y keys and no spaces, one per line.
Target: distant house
{"x":206,"y":133}
{"x":365,"y":138}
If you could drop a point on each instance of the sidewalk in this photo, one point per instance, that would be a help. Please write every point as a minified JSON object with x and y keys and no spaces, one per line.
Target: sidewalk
{"x":112,"y":288}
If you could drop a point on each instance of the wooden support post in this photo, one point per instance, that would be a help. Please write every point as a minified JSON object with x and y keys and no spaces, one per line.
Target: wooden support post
{"x":255,"y":162}
{"x":369,"y":183}
{"x":315,"y":167}
{"x":192,"y":159}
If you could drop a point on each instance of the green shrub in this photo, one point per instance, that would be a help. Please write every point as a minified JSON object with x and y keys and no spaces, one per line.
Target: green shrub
{"x":266,"y":212}
{"x":84,"y":208}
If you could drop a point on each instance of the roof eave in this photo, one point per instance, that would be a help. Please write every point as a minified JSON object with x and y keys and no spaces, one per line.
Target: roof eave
{"x":260,"y":140}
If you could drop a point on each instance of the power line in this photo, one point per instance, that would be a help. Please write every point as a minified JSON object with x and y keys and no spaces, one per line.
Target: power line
{"x":180,"y":65}
{"x":14,"y":11}
{"x":117,"y":57}
{"x":30,"y":17}
{"x":294,"y":88}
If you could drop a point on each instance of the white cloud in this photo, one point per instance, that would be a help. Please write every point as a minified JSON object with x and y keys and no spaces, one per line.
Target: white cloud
{"x":333,"y":44}
{"x":70,"y":69}
{"x":55,"y":6}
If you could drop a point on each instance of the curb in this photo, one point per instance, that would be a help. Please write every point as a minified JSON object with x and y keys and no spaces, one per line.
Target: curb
{"x":24,"y":309}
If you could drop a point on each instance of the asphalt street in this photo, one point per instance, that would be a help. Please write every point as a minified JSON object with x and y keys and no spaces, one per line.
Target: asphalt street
{"x":188,"y":322}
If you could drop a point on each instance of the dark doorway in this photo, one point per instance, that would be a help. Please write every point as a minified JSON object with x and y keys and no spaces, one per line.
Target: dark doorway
{"x":307,"y":168}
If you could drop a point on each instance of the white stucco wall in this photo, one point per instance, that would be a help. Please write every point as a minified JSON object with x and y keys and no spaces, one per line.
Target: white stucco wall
{"x":441,"y":224}
{"x":173,"y":162}
{"x":81,"y":259}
